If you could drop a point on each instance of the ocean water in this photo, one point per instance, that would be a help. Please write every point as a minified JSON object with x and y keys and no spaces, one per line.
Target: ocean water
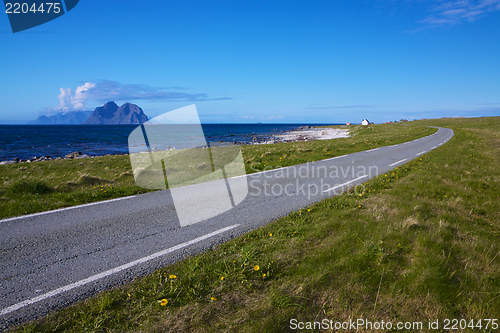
{"x":28,"y":141}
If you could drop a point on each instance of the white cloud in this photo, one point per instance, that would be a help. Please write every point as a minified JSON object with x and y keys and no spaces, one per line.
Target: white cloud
{"x":79,"y":100}
{"x":68,"y":102}
{"x":272,"y":117}
{"x":64,"y":99}
{"x":104,"y":91}
{"x":458,"y":11}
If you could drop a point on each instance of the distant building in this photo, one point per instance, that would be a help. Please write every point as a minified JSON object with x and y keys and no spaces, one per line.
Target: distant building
{"x":348,"y":124}
{"x":365,"y":122}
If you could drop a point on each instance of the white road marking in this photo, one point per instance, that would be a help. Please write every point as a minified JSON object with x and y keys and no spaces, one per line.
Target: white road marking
{"x":344,"y":183}
{"x":421,"y":153}
{"x":334,"y":158}
{"x":434,"y":147}
{"x":404,"y":159}
{"x":99,"y":276}
{"x":256,"y":173}
{"x":367,"y":151}
{"x":66,"y":208}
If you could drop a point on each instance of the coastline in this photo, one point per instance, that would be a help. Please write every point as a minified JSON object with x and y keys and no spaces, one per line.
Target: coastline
{"x":302,"y":133}
{"x":309,"y":133}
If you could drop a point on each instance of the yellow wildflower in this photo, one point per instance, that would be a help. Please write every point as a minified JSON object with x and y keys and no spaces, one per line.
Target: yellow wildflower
{"x":172,"y":277}
{"x":256,"y":267}
{"x":213,"y":298}
{"x":221,"y":278}
{"x":163,"y":302}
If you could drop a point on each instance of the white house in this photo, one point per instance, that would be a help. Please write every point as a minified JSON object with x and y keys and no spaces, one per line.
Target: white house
{"x":365,"y":122}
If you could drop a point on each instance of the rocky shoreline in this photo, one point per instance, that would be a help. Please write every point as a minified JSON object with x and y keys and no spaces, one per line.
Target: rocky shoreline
{"x":73,"y":155}
{"x":302,"y":133}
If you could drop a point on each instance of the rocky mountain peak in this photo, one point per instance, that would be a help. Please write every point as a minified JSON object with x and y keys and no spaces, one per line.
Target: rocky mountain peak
{"x":110,"y":113}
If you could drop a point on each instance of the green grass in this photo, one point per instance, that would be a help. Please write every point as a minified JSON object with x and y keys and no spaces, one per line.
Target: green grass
{"x":39,"y":186}
{"x":421,"y":243}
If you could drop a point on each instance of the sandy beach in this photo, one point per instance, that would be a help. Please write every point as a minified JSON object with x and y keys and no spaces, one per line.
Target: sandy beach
{"x":308,"y":133}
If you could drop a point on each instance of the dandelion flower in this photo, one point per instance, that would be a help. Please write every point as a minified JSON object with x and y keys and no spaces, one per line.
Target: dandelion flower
{"x":213,"y":298}
{"x":270,"y":235}
{"x":172,"y":277}
{"x":221,"y":278}
{"x":163,"y":302}
{"x":308,"y":210}
{"x":264,"y":275}
{"x":256,"y":267}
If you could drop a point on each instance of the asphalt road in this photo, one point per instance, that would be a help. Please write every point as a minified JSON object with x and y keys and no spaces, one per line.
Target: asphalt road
{"x":52,"y":259}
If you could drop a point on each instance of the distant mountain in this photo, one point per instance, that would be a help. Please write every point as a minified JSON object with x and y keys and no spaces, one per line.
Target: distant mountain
{"x":110,"y":113}
{"x":62,"y":118}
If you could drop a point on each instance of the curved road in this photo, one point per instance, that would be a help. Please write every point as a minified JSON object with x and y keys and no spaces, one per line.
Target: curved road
{"x":52,"y":259}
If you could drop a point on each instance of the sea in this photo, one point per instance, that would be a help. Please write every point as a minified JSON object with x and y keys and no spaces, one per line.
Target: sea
{"x":28,"y":141}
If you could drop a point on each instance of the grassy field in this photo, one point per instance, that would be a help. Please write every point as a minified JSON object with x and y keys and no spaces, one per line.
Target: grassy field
{"x":33,"y":187}
{"x":421,"y":244}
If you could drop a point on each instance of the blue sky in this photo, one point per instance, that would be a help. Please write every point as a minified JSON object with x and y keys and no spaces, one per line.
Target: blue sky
{"x":267,"y":61}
